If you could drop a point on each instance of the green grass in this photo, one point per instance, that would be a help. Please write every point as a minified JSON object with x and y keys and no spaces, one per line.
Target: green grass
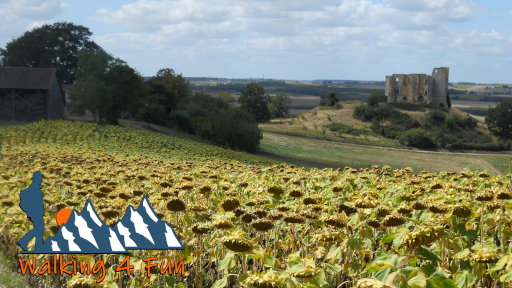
{"x":333,"y":154}
{"x":8,"y":278}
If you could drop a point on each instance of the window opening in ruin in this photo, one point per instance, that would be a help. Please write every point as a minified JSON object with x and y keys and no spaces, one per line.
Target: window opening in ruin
{"x":420,"y":98}
{"x":404,"y":99}
{"x":426,"y":92}
{"x":396,"y":79}
{"x":397,"y":91}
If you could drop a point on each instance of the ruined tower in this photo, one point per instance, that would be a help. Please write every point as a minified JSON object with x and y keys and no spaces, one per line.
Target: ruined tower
{"x":440,"y":76}
{"x":419,"y":88}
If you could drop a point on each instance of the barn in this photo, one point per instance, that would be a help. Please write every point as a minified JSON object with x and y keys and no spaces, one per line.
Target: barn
{"x":28,"y":94}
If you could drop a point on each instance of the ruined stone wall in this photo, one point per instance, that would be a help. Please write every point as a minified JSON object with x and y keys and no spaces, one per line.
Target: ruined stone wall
{"x":418,"y":88}
{"x":409,"y":88}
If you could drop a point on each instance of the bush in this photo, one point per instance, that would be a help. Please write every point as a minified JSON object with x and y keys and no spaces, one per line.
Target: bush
{"x":492,"y":146}
{"x":388,"y":131}
{"x":387,"y":112}
{"x":436,"y":117}
{"x":212,"y":119}
{"x":468,"y":122}
{"x":343,"y":128}
{"x":364,"y":113}
{"x":377,"y":97}
{"x":236,"y":129}
{"x":330,"y":100}
{"x":449,"y":122}
{"x":401,"y":119}
{"x":410,"y":106}
{"x":416,"y":138}
{"x":338,"y":105}
{"x":499,"y":120}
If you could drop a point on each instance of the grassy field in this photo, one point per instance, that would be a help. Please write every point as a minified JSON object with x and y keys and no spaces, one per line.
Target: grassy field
{"x":333,"y":154}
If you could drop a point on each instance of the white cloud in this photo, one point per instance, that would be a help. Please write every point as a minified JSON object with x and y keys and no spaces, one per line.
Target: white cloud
{"x":237,"y":19}
{"x":200,"y":37}
{"x":19,"y":15}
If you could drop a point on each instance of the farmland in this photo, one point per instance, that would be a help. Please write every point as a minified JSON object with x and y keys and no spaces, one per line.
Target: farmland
{"x":247,"y":221}
{"x":328,"y":153}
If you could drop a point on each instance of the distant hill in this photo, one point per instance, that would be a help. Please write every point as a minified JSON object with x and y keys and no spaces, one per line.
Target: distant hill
{"x":447,"y":129}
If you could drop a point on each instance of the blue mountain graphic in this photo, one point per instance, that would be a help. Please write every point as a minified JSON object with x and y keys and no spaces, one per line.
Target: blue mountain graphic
{"x":86,"y":233}
{"x":141,"y":228}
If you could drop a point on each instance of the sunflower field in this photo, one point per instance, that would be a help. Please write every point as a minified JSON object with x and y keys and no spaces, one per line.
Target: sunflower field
{"x":251,"y":222}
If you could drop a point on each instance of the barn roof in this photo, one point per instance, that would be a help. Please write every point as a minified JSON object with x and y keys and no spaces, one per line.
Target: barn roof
{"x":26,"y":78}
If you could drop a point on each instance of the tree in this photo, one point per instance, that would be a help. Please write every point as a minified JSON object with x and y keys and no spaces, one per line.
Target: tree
{"x":128,"y":92}
{"x":213,"y":119}
{"x":50,"y":46}
{"x":377,"y":97}
{"x":172,"y":88}
{"x":499,"y":120}
{"x":253,"y":100}
{"x":106,"y":86}
{"x":330,"y":100}
{"x":279,"y":106}
{"x":236,"y":129}
{"x":226,"y":97}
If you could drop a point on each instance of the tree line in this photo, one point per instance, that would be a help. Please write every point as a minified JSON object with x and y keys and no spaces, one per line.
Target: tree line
{"x":110,"y":89}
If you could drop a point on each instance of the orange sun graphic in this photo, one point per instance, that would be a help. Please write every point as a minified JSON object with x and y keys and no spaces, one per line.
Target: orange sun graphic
{"x":63,"y":216}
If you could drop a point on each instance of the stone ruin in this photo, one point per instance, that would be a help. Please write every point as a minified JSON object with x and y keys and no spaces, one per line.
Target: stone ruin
{"x":419,"y":88}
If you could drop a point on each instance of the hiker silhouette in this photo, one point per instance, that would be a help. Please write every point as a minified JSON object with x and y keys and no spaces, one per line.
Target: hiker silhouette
{"x":31,"y":202}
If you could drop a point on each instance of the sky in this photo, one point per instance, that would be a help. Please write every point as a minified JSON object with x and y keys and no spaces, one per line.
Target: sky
{"x":288,"y":39}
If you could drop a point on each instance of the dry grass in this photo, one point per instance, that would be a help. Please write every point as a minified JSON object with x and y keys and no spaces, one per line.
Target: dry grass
{"x":311,"y":124}
{"x":316,"y":118}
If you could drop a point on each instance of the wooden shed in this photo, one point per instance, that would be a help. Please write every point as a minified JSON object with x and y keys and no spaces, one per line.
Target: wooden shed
{"x":28,"y":94}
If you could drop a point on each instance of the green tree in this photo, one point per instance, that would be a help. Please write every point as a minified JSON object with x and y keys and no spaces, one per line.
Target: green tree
{"x":106,"y":86}
{"x":377,"y":97}
{"x":226,"y":97}
{"x":279,"y":106}
{"x":236,"y":129}
{"x":213,"y":119}
{"x":52,"y":45}
{"x":170,"y":87}
{"x":254,"y":100}
{"x":330,"y":100}
{"x":499,"y":120}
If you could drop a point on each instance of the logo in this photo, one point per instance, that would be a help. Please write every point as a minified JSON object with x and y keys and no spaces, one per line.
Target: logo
{"x":85,"y":233}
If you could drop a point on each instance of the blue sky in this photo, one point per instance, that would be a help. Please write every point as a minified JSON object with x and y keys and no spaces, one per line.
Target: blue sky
{"x":289,"y":39}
